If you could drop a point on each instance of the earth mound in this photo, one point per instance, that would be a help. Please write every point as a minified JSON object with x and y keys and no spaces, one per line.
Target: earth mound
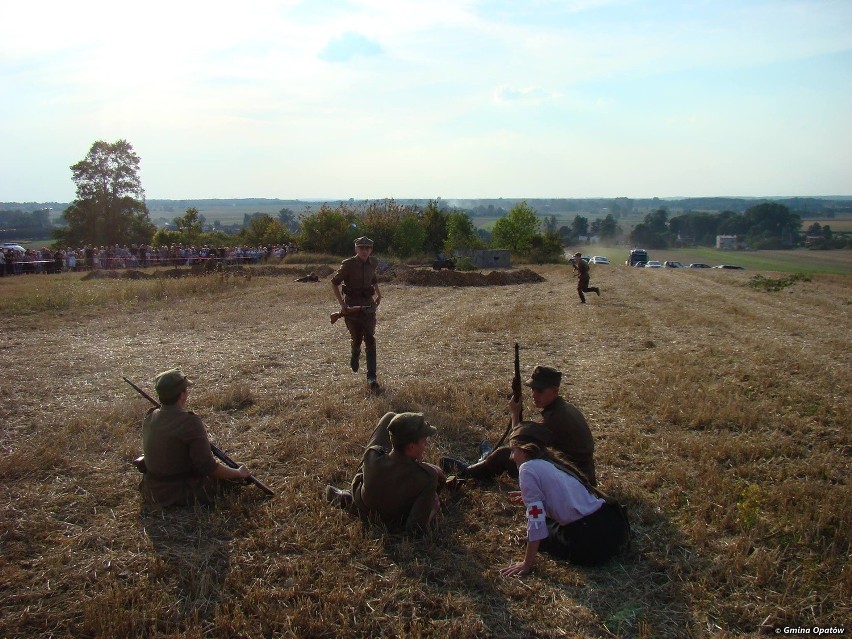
{"x":428,"y":277}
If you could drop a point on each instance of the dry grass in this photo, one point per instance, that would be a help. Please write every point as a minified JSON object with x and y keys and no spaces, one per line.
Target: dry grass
{"x":721,"y":414}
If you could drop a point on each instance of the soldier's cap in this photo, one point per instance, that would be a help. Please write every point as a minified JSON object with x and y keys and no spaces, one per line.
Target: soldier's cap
{"x":171,"y":383}
{"x":530,"y":433}
{"x":544,"y":377}
{"x":406,"y":428}
{"x":364,"y":241}
{"x":578,"y":254}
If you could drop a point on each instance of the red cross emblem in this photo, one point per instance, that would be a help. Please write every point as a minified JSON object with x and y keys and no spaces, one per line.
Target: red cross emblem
{"x":535,"y":511}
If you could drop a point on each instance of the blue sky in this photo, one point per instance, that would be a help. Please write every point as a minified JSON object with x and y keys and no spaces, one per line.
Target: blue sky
{"x":454,"y":99}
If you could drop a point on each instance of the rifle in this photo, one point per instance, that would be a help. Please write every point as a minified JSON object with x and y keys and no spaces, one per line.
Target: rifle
{"x":516,"y":396}
{"x":139,"y":462}
{"x":350,"y":310}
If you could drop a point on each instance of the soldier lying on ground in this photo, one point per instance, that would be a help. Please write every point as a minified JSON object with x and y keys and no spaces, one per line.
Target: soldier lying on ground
{"x":393,"y":482}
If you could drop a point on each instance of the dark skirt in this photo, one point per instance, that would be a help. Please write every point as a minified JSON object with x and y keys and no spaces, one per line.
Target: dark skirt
{"x":589,"y":541}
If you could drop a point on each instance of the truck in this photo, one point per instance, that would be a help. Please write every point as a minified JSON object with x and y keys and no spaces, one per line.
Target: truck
{"x":636,"y":256}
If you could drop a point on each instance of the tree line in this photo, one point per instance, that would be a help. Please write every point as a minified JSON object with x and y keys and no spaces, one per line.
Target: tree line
{"x":768,"y":225}
{"x":110,"y":209}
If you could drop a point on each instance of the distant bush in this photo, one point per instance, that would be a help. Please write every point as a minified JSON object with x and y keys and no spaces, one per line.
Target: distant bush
{"x":773,"y":285}
{"x":464,"y":264}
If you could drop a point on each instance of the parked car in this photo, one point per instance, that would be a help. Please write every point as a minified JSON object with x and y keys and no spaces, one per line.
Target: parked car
{"x":699,"y":265}
{"x":653,"y":264}
{"x":598,"y":259}
{"x":635,"y":256}
{"x":640,"y":264}
{"x":672,"y":264}
{"x":731,"y":266}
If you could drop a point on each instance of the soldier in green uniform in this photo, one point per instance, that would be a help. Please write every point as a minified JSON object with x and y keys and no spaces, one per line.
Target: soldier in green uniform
{"x":393,"y":482}
{"x":357,"y":274}
{"x":564,"y":425}
{"x":181,"y":469}
{"x":581,"y":271}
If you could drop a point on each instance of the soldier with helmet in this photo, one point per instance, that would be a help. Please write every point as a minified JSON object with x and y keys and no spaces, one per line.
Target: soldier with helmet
{"x":181,"y":469}
{"x":360,"y":287}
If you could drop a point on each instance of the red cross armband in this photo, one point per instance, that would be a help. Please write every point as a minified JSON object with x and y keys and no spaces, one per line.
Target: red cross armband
{"x":535,"y":514}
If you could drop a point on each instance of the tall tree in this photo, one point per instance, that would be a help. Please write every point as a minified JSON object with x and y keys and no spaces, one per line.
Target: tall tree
{"x":580,"y":226}
{"x":189,"y":225}
{"x":434,"y":221}
{"x":330,"y":230}
{"x":516,"y":230}
{"x":461,"y":234}
{"x":110,"y":205}
{"x":608,"y":227}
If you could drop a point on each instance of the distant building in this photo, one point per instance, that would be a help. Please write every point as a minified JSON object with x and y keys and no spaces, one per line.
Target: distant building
{"x":726,"y":242}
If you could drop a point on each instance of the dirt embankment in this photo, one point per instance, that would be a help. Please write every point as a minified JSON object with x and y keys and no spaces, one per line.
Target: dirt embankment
{"x":397,"y":274}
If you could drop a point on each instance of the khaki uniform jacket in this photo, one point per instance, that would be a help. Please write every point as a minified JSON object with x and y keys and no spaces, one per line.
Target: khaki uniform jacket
{"x":358,"y":278}
{"x":177,"y":456}
{"x":570,"y":435}
{"x":399,"y":489}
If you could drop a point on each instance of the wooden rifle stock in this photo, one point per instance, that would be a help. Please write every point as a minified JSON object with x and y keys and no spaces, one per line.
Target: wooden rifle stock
{"x":349,"y":311}
{"x":517,"y":395}
{"x":139,"y":462}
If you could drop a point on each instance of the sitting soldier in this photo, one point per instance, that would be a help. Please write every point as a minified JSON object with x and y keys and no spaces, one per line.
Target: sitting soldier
{"x":566,"y":428}
{"x":181,"y":469}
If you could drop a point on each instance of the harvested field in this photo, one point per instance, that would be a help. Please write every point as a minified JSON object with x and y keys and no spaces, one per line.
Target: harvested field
{"x":721,"y":414}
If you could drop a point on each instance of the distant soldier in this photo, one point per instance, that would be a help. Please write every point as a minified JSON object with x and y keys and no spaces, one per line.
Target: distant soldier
{"x":393,"y":482}
{"x":581,"y":271}
{"x":181,"y":469}
{"x":310,"y":277}
{"x":358,"y":276}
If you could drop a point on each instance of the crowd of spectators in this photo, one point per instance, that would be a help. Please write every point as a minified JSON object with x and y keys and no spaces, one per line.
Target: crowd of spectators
{"x":47,"y":260}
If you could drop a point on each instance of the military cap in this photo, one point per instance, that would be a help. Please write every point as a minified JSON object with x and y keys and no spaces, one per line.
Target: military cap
{"x":170,"y":383}
{"x":544,"y":377}
{"x":406,"y":428}
{"x":578,"y":254}
{"x":364,"y":241}
{"x":530,"y":432}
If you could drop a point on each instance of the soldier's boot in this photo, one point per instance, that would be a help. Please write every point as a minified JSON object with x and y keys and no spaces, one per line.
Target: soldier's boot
{"x":494,"y":464}
{"x":453,"y":466}
{"x":597,"y":290}
{"x":354,"y":358}
{"x":371,"y":369}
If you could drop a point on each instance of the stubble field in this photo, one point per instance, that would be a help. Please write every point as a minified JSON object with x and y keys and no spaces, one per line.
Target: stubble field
{"x":721,"y":414}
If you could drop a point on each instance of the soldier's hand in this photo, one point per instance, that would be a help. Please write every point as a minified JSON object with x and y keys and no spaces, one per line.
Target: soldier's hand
{"x":515,"y":409}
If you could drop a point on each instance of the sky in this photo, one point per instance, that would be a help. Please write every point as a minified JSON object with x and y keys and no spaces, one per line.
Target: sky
{"x":364,"y":99}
